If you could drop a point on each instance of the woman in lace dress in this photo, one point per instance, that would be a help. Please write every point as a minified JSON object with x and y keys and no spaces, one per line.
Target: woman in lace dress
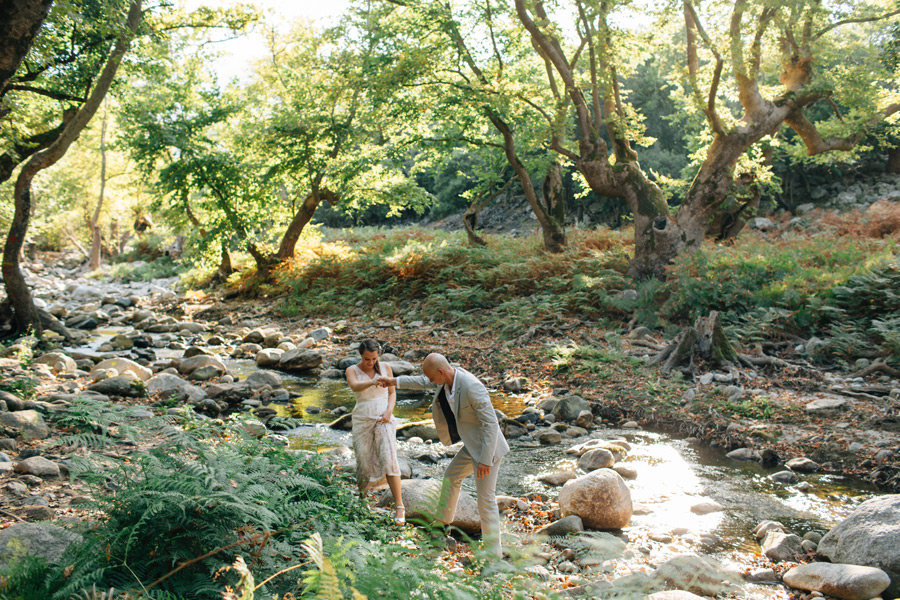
{"x":374,"y":426}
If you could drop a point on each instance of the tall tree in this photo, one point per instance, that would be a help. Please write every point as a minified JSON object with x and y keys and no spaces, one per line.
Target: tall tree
{"x":334,"y":124}
{"x":20,"y":21}
{"x":25,"y":315}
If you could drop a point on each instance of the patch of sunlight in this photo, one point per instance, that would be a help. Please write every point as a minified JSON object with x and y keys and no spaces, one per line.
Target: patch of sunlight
{"x":668,"y":485}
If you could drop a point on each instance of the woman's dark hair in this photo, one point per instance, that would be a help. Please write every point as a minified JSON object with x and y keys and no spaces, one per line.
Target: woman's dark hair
{"x":370,"y":345}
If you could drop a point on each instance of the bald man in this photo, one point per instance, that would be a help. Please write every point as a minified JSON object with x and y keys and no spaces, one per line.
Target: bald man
{"x":463,"y":412}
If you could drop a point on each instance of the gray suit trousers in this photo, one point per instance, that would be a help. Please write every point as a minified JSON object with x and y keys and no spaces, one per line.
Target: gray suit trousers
{"x":459,"y":468}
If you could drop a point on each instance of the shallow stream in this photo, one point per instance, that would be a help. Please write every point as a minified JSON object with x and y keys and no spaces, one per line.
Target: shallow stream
{"x":673,"y":475}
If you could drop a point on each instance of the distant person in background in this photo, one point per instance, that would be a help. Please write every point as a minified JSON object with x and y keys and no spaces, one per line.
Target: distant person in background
{"x":374,"y":426}
{"x":463,"y":411}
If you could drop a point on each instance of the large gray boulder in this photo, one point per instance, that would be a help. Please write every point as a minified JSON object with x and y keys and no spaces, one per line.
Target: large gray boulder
{"x":570,"y":407}
{"x":30,"y":539}
{"x":301,"y":359}
{"x":869,"y":537}
{"x":600,"y":498}
{"x":700,"y":575}
{"x":268,"y":357}
{"x":26,"y":423}
{"x":39,"y":466}
{"x":850,"y":582}
{"x":122,"y":366}
{"x":420,"y":497}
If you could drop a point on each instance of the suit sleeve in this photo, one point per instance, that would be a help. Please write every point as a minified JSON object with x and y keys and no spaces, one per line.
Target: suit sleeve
{"x":414,"y":382}
{"x":480,"y":401}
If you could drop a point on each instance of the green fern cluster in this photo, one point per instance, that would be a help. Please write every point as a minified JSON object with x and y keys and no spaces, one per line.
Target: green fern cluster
{"x":178,"y":513}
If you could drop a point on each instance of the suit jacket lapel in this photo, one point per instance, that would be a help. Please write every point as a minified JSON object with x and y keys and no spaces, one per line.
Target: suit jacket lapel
{"x":456,"y":394}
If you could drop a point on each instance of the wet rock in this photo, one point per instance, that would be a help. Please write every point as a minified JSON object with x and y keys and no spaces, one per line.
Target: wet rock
{"x":58,"y":362}
{"x":626,"y":472}
{"x":850,"y":582}
{"x":189,"y":365}
{"x":269,"y":357}
{"x":29,"y":424}
{"x":762,"y":576}
{"x":420,"y":497}
{"x":421,"y":429}
{"x":122,"y":366}
{"x":196,"y":351}
{"x":803,"y":465}
{"x":512,"y":428}
{"x":868,"y":537}
{"x":205,"y":373}
{"x":558,"y":478}
{"x":706,"y":507}
{"x":600,"y":498}
{"x":631,"y":425}
{"x":549,"y":437}
{"x":516,"y":384}
{"x":189,"y":326}
{"x":121,"y":385}
{"x":48,"y":542}
{"x":784,"y":477}
{"x":562,"y":527}
{"x":166,"y":385}
{"x":598,"y":458}
{"x":260,"y":378}
{"x":743,"y":454}
{"x":763,"y":529}
{"x":13,"y":402}
{"x":38,"y":466}
{"x":700,"y":575}
{"x":332,"y":374}
{"x":568,"y":408}
{"x":584,"y":419}
{"x":301,"y":360}
{"x":780,"y":546}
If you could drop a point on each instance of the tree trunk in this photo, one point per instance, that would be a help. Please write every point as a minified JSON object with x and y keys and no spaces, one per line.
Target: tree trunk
{"x":555,"y":207}
{"x":470,"y":217}
{"x":893,"y":163}
{"x":706,"y":339}
{"x":26,"y":316}
{"x":289,"y":242}
{"x":225,"y":267}
{"x":20,"y":21}
{"x":96,"y":238}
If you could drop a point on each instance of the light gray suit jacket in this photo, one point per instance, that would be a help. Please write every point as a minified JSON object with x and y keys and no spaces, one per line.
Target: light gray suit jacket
{"x":476,"y":420}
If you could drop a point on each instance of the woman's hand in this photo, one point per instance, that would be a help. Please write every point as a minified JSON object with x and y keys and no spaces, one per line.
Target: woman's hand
{"x":386,"y":417}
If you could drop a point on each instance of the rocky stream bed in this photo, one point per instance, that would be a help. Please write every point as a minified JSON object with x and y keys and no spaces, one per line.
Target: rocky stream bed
{"x":595,"y":501}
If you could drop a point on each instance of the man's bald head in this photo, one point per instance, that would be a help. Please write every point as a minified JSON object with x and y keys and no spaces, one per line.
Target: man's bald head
{"x":437,"y":368}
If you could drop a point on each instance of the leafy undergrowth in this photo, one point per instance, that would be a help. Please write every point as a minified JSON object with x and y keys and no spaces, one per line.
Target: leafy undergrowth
{"x":834,"y":282}
{"x":211,"y":508}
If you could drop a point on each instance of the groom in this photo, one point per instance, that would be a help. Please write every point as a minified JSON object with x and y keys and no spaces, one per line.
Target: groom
{"x":462,"y":411}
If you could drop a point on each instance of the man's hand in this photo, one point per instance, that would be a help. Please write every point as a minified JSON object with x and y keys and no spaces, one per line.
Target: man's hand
{"x":387,"y":382}
{"x":483,"y":471}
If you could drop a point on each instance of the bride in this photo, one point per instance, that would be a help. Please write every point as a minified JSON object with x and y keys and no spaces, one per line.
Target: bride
{"x":374,"y":426}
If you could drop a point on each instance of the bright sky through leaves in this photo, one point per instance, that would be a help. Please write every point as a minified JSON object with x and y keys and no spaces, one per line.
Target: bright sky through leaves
{"x":239,"y":53}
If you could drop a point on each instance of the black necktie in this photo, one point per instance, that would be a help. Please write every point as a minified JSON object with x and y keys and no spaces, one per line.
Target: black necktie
{"x":448,"y":415}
